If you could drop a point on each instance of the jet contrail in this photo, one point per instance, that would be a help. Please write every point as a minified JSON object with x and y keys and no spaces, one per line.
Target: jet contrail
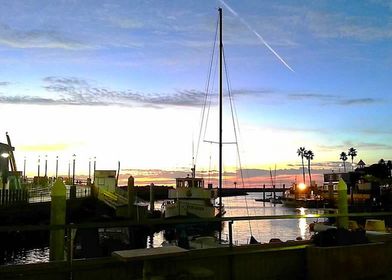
{"x":257,"y":34}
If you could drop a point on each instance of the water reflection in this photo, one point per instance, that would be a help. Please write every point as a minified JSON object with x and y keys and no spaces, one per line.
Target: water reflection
{"x":302,"y":223}
{"x":24,"y":256}
{"x":262,"y":230}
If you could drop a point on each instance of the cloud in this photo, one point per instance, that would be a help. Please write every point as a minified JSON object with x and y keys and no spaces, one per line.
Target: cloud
{"x":359,"y":146}
{"x":358,"y":101}
{"x":327,"y":99}
{"x":37,"y":39}
{"x":4,"y":83}
{"x":338,"y":25}
{"x":76,"y":91}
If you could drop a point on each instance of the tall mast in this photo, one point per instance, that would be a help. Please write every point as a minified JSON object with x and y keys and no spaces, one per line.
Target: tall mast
{"x":220,"y":112}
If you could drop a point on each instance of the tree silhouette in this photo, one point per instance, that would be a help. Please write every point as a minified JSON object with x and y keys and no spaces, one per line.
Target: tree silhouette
{"x":309,"y":155}
{"x":352,"y":153}
{"x":301,"y":153}
{"x":343,"y":157}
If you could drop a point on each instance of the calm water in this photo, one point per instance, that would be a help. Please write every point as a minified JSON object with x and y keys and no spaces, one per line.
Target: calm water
{"x":262,"y":230}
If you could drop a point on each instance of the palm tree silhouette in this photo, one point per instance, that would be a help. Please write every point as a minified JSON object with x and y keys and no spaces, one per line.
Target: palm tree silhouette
{"x":309,"y":155}
{"x":301,"y":153}
{"x":352,"y":153}
{"x":343,"y":157}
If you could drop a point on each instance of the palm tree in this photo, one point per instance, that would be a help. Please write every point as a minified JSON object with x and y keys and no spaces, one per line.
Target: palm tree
{"x":343,"y":157}
{"x":301,"y":153}
{"x":352,"y":153}
{"x":309,"y":155}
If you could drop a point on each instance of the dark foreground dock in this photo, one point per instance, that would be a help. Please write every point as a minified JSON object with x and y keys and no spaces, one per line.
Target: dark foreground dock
{"x":291,"y":260}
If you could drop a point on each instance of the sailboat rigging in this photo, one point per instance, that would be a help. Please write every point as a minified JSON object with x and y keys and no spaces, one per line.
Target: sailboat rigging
{"x":190,"y":198}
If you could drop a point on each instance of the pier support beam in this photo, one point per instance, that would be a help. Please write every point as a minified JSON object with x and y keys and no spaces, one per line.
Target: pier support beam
{"x":342,"y":204}
{"x":57,"y":218}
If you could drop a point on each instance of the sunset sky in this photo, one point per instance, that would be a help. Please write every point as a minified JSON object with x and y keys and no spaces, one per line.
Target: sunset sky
{"x":125,"y":81}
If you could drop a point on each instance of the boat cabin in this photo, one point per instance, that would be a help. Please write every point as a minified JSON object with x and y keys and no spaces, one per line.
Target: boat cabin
{"x":189,"y":182}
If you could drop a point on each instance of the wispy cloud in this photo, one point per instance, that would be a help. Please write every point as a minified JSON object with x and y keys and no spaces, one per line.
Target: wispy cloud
{"x":358,"y":101}
{"x":4,"y":83}
{"x":327,"y":99}
{"x":338,"y":25}
{"x":359,"y":145}
{"x":76,"y":91}
{"x":36,"y":38}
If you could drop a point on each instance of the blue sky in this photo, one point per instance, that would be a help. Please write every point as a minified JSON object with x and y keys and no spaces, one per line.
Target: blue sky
{"x":79,"y":75}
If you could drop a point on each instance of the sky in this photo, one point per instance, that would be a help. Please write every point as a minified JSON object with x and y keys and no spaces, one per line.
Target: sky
{"x":126,"y":81}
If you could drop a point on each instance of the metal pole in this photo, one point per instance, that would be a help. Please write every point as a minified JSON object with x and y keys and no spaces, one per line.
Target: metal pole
{"x":220,"y":115}
{"x":24,"y":168}
{"x":57,"y":165}
{"x":46,"y":165}
{"x":39,"y":164}
{"x":73,"y":169}
{"x":95,"y":164}
{"x":69,"y":170}
{"x":89,"y":168}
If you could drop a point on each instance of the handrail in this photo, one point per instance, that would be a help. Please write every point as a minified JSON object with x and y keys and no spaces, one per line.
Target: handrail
{"x":161,"y":221}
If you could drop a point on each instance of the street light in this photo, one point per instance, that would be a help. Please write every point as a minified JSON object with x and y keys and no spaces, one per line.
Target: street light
{"x":95,"y":165}
{"x":24,"y":168}
{"x":57,"y":165}
{"x":39,"y":166}
{"x":69,"y":170}
{"x":73,"y":169}
{"x":5,"y":155}
{"x":46,"y":166}
{"x":89,"y":168}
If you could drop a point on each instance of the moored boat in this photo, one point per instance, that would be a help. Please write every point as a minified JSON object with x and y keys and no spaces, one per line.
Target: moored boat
{"x":301,"y":195}
{"x":191,"y":199}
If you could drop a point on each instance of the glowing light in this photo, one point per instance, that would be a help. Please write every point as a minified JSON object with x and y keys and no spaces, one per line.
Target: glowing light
{"x":5,"y":155}
{"x":301,"y":186}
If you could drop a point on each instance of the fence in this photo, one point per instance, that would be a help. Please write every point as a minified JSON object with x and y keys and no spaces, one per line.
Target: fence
{"x":10,"y":197}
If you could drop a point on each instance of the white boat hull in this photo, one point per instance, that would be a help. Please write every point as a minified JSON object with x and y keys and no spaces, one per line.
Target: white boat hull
{"x":188,"y":208}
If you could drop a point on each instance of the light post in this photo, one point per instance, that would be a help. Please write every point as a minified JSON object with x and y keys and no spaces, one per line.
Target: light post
{"x":73,"y":169}
{"x":69,"y":170}
{"x":24,"y":168}
{"x":39,"y":166}
{"x":95,"y":165}
{"x":89,"y":168}
{"x":57,"y":165}
{"x":46,"y":166}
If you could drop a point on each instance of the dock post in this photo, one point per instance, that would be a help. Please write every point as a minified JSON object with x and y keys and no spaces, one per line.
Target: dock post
{"x":274,"y":190}
{"x":151,"y":198}
{"x":231,"y":234}
{"x":263,"y":194}
{"x":342,"y":204}
{"x":131,"y":196}
{"x":284,"y":190}
{"x":57,"y":217}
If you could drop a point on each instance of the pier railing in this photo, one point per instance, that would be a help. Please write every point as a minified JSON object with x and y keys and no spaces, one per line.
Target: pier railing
{"x":10,"y":197}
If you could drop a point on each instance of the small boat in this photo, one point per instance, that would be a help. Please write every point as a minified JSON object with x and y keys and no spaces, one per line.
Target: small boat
{"x":191,"y":199}
{"x":300,"y":195}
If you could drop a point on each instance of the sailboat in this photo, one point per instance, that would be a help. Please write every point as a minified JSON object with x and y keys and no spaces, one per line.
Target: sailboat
{"x":190,"y":197}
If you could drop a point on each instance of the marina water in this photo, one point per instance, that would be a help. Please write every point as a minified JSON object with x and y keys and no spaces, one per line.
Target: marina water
{"x":262,"y":230}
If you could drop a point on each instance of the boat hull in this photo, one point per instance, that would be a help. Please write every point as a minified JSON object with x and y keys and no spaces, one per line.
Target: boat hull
{"x":191,"y":209}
